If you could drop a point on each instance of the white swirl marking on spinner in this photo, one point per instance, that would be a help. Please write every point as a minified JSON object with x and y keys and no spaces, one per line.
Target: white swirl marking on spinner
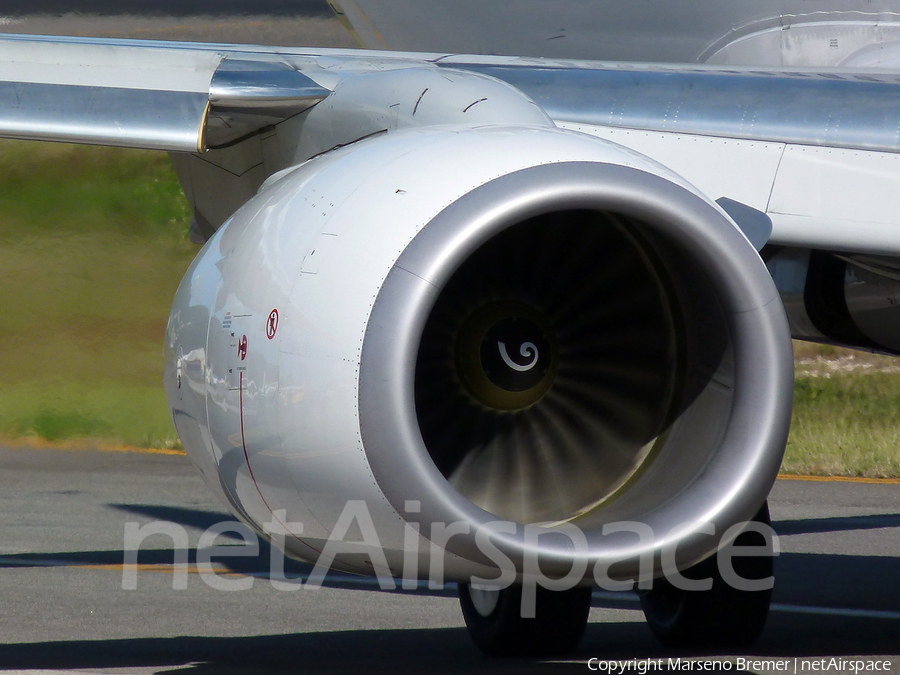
{"x":528,"y":350}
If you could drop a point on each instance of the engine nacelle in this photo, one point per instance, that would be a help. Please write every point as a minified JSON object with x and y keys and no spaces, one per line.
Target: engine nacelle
{"x":484,"y":325}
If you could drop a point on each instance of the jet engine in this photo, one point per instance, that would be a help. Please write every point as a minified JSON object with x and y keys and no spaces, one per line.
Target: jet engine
{"x":483,"y":326}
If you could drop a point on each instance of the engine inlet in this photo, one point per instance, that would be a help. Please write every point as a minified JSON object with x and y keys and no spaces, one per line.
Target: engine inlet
{"x":548,"y":367}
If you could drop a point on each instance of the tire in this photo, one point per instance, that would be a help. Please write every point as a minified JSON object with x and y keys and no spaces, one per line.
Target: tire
{"x":720,"y":617}
{"x":495,"y":623}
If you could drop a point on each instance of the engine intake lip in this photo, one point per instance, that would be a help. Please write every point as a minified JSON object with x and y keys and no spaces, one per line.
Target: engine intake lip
{"x":731,"y":483}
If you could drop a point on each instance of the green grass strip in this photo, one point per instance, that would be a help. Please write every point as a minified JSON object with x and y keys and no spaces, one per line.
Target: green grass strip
{"x":92,"y":247}
{"x":845,"y":425}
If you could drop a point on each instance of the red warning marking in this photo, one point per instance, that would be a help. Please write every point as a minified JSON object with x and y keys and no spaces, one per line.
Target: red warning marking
{"x":242,"y":348}
{"x":272,"y":324}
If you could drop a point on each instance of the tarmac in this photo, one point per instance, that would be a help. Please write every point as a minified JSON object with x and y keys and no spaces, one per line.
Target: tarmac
{"x":67,"y":606}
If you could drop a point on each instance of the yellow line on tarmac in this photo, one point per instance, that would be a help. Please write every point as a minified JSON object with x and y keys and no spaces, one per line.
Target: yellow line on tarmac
{"x":82,"y":445}
{"x":841,"y":479}
{"x":371,"y":25}
{"x":41,"y":444}
{"x":345,"y":22}
{"x":129,"y":448}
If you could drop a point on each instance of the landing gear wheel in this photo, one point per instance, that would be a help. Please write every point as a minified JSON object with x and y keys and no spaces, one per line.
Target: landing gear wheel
{"x":720,"y":617}
{"x":495,"y":623}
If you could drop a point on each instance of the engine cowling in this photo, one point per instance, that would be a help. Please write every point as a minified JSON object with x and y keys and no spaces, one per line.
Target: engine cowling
{"x":469,"y":326}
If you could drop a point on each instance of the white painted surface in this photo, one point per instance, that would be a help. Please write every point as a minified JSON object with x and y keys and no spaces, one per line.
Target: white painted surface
{"x":718,"y":167}
{"x":829,"y":198}
{"x":838,"y":199}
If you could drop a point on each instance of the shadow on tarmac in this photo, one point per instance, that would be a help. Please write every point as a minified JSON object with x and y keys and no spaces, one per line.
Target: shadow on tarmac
{"x":426,"y":651}
{"x":802,"y":579}
{"x":818,"y":525}
{"x":808,"y":579}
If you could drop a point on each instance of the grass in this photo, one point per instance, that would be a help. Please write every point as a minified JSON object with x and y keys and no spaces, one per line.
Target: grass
{"x":93,"y":245}
{"x":51,"y":189}
{"x":845,"y":420}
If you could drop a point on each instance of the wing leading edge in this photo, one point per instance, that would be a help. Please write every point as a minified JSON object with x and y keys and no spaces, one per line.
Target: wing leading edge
{"x":158,"y":98}
{"x":170,"y":95}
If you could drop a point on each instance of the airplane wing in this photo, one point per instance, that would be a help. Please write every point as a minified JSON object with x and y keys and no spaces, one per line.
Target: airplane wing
{"x":448,"y":300}
{"x":780,"y":125}
{"x":154,"y":97}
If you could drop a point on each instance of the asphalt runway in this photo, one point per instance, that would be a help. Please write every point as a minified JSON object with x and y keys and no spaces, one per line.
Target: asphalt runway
{"x":304,"y":23}
{"x":62,"y":528}
{"x":176,"y":8}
